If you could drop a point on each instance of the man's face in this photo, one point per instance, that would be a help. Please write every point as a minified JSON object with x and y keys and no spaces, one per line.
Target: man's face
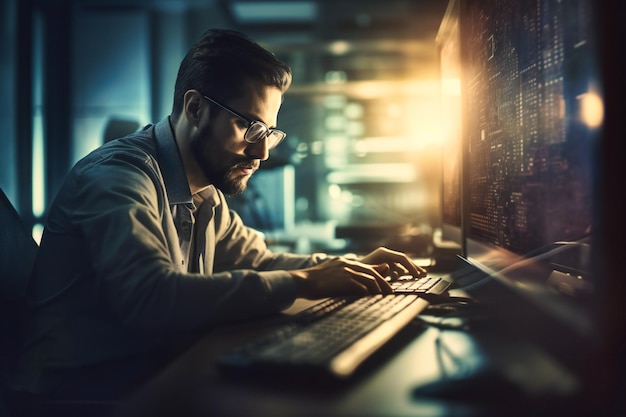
{"x":218,"y":146}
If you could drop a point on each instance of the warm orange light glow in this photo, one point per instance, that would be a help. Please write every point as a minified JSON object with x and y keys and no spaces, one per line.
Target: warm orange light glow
{"x":592,"y":109}
{"x":339,"y":47}
{"x":451,"y":87}
{"x":425,"y":121}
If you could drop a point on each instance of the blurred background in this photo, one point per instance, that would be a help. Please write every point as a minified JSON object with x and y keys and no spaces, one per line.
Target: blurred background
{"x":365,"y":117}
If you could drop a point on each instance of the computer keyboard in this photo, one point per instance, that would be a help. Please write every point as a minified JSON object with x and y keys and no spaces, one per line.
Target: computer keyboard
{"x":426,"y":285}
{"x":334,"y":336}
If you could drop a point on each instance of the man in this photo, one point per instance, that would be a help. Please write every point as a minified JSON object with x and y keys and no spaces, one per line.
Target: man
{"x":140,"y":253}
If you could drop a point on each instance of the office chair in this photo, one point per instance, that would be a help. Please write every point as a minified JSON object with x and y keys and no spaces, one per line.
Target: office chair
{"x":17,"y":255}
{"x":116,"y":128}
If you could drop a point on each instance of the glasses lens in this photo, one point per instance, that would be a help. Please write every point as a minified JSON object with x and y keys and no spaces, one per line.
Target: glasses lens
{"x":275,"y":137}
{"x":256,"y":132}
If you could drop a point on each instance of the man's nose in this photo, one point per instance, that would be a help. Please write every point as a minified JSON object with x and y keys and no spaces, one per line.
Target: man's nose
{"x":258,"y":150}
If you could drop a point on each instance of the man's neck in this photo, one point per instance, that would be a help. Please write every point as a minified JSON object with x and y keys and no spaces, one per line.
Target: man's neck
{"x":195,"y":176}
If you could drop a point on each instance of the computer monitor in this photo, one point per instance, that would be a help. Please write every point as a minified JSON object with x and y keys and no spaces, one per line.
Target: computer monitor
{"x":532,"y":123}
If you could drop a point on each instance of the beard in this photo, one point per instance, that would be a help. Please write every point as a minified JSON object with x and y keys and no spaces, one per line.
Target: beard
{"x":228,"y":179}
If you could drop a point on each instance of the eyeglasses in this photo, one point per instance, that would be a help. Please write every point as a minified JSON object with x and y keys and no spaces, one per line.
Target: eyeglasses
{"x":257,"y":130}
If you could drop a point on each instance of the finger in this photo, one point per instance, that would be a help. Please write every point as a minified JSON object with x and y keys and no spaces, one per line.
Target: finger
{"x":383,"y":254}
{"x":369,"y":277}
{"x":369,"y":281}
{"x":392,"y":275}
{"x":381,"y":272}
{"x":397,"y":270}
{"x":384,"y":270}
{"x":422,"y":271}
{"x":373,"y":271}
{"x":412,"y":268}
{"x":385,"y":287}
{"x":385,"y":274}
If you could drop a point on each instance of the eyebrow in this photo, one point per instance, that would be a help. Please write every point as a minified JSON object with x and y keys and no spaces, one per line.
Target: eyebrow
{"x":258,"y":119}
{"x":239,"y":114}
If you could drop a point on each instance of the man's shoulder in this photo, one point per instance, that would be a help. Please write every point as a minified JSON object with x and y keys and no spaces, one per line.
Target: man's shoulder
{"x":139,"y":144}
{"x":135,"y":152}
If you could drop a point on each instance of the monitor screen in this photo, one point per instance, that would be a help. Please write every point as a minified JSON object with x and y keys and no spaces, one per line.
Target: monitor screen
{"x":532,"y":117}
{"x":529,"y":75}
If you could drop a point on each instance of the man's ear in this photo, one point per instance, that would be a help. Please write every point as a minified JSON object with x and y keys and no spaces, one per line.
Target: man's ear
{"x":194,"y":106}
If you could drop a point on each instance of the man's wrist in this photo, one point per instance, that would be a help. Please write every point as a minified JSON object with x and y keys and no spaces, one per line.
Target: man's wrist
{"x":300,"y":278}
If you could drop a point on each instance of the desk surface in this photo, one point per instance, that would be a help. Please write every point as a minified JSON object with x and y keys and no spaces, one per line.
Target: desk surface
{"x":384,"y":386}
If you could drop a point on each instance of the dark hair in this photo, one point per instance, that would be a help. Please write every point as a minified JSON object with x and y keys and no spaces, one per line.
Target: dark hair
{"x":219,"y":62}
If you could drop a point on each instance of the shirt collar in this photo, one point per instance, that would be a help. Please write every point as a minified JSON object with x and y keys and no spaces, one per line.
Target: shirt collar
{"x":210,"y":196}
{"x":171,"y":164}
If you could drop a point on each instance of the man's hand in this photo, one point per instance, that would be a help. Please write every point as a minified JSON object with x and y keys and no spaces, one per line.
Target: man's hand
{"x":399,"y":263}
{"x":341,"y":276}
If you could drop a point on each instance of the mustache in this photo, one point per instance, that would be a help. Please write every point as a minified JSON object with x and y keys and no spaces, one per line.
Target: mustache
{"x":247,"y":164}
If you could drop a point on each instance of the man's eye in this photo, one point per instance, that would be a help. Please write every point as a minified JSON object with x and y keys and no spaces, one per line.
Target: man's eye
{"x":242,"y":123}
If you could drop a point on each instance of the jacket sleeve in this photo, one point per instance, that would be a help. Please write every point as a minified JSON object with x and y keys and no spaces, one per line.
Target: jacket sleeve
{"x":238,"y":246}
{"x":123,"y":214}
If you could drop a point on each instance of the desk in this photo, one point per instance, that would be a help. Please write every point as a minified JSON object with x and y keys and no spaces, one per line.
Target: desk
{"x":193,"y":386}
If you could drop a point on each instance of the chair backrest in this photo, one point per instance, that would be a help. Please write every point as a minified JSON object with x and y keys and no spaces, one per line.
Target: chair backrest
{"x":17,"y":255}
